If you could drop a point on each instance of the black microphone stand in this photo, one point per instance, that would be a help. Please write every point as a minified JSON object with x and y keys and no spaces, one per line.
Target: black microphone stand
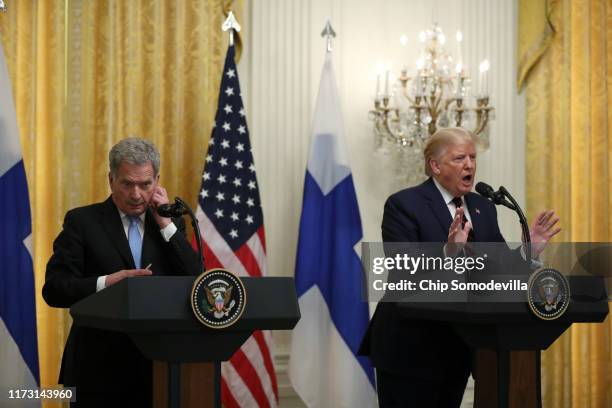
{"x":523,"y":221}
{"x":174,"y":369}
{"x":196,"y":227}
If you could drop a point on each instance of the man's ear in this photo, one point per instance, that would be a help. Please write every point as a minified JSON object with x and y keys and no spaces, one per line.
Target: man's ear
{"x":110,"y":179}
{"x":434,"y":166}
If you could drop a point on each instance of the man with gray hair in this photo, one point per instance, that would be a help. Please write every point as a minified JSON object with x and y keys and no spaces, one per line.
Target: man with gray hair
{"x":424,"y":363}
{"x":101,"y":244}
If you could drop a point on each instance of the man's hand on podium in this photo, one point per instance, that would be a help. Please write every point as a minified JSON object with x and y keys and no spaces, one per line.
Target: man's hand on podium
{"x":126,"y":273}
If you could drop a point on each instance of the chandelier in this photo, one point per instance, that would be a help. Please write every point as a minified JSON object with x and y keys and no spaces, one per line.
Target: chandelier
{"x":440,"y":94}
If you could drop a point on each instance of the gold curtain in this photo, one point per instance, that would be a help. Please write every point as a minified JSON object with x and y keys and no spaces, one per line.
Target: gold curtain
{"x":565,"y":57}
{"x":88,"y":73}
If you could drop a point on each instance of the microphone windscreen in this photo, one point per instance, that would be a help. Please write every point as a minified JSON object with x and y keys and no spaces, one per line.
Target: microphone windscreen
{"x":166,"y":210}
{"x":484,"y":189}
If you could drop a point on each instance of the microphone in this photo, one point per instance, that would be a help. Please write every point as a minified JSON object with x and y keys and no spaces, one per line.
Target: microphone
{"x":172,"y":210}
{"x":178,"y":209}
{"x":485,"y":190}
{"x":497,"y":197}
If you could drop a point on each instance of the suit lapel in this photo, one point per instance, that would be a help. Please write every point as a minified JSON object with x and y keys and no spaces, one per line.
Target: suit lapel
{"x":476,"y":216}
{"x":148,"y":240}
{"x":111,"y":221}
{"x":437,"y":205}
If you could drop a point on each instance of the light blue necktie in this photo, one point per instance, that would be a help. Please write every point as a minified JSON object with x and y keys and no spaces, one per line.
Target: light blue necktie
{"x":135,"y":240}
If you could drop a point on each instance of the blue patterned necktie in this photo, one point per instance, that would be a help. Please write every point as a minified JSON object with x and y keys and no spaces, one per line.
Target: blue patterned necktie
{"x":135,"y":240}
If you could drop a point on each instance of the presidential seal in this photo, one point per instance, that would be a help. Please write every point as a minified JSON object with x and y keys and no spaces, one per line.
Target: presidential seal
{"x":548,"y":293}
{"x":218,"y":298}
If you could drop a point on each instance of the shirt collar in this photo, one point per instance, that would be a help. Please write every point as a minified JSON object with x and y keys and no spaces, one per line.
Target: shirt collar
{"x":124,"y":215}
{"x":448,"y":197}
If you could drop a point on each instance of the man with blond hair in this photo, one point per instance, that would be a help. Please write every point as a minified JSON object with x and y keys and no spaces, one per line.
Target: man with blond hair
{"x":425,"y":363}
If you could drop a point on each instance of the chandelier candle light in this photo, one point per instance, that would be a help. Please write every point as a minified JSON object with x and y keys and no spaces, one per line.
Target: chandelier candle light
{"x":412,"y":108}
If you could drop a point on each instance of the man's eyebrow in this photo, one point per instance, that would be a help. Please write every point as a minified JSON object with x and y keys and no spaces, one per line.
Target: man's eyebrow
{"x":125,"y":179}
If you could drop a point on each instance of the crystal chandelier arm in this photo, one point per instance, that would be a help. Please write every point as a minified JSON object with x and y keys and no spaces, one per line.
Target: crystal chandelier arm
{"x":482,"y":115}
{"x":458,"y":109}
{"x":395,"y":135}
{"x":382,"y":116}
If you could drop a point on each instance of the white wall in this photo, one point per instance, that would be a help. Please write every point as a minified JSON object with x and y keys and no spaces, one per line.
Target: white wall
{"x":280,"y":71}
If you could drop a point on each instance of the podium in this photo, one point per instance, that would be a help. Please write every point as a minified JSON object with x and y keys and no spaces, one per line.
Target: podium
{"x":155,"y":312}
{"x":508,"y":339}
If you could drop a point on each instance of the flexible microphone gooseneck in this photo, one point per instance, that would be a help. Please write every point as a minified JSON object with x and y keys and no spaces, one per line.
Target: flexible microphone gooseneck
{"x":178,"y":209}
{"x":499,"y":198}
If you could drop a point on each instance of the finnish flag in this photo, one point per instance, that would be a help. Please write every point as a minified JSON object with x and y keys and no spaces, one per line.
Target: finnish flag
{"x":324,"y":367}
{"x":18,"y":342}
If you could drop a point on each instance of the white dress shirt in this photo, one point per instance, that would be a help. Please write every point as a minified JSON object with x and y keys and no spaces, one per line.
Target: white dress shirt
{"x":167,"y":232}
{"x":448,"y":199}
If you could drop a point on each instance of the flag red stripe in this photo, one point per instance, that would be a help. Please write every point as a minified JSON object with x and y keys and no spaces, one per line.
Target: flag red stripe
{"x":227,"y":397}
{"x":262,"y":237}
{"x":267,"y":358}
{"x":242,"y":364}
{"x":210,"y":259}
{"x":249,"y":261}
{"x":249,"y":376}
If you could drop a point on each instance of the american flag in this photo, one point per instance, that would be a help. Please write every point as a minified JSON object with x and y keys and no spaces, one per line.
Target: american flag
{"x":230,"y":217}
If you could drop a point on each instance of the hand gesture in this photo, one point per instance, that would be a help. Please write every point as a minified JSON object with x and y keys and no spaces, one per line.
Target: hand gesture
{"x":159,"y":197}
{"x":542,"y":230}
{"x":457,"y":235}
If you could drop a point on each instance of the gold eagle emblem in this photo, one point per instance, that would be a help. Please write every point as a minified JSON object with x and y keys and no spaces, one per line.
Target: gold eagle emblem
{"x":218,"y":300}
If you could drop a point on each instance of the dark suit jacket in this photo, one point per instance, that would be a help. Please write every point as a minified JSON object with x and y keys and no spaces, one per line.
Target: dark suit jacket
{"x":416,"y":348}
{"x":93,"y":243}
